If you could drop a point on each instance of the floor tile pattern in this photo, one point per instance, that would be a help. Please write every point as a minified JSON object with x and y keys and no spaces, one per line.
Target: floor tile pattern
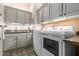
{"x":20,"y":52}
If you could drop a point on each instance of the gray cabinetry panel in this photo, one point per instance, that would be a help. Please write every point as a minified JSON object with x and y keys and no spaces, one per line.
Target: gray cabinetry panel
{"x":28,"y":18}
{"x":29,"y":41}
{"x":46,"y":12}
{"x":71,"y":8}
{"x":13,"y":15}
{"x":21,"y":40}
{"x":55,"y":10}
{"x":40,"y":15}
{"x":9,"y":42}
{"x":13,"y":41}
{"x":10,"y":15}
{"x":21,"y":16}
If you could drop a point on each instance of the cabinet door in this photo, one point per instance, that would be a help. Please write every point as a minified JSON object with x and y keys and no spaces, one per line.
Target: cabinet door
{"x":21,"y":16}
{"x":55,"y":10}
{"x":46,"y":12}
{"x":21,"y":40}
{"x":28,"y":18}
{"x":1,"y":47}
{"x":10,"y":14}
{"x":40,"y":15}
{"x":9,"y":42}
{"x":29,"y":39}
{"x":71,"y":8}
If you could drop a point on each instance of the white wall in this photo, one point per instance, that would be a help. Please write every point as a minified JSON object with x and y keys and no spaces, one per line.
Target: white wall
{"x":36,"y":6}
{"x":2,"y":14}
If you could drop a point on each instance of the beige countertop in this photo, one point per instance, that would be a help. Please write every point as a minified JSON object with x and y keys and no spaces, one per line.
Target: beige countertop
{"x":74,"y":40}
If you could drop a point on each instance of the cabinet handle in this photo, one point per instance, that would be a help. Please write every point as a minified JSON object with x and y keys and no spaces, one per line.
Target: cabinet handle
{"x":60,"y":15}
{"x":65,"y":8}
{"x":0,"y":14}
{"x":64,"y":13}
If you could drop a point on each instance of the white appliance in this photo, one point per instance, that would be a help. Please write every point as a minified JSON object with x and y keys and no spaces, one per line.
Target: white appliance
{"x":37,"y":39}
{"x":52,"y":40}
{"x":37,"y":42}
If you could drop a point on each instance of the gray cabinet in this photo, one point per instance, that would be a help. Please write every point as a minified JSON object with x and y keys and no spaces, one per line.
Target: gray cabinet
{"x":32,"y":21}
{"x":49,"y":11}
{"x":55,"y":10}
{"x":17,"y":40}
{"x":10,"y":14}
{"x":21,"y":40}
{"x":28,"y":18}
{"x":13,"y":15}
{"x":29,"y":40}
{"x":1,"y":47}
{"x":40,"y":15}
{"x":13,"y":41}
{"x":71,"y":8}
{"x":9,"y":42}
{"x":45,"y":12}
{"x":21,"y":16}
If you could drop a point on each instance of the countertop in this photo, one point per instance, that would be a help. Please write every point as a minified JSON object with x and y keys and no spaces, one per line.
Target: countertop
{"x":74,"y":40}
{"x":14,"y":32}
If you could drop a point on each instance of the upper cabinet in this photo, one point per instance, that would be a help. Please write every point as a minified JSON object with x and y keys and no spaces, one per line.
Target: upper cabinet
{"x":55,"y":10}
{"x":10,"y":15}
{"x":32,"y":21}
{"x":45,"y":12}
{"x":49,"y":11}
{"x":40,"y":15}
{"x":13,"y":15}
{"x":71,"y":8}
{"x":21,"y":16}
{"x":28,"y":18}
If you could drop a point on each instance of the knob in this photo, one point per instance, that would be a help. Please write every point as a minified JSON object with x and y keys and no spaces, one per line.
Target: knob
{"x":0,"y":14}
{"x":64,"y":13}
{"x":60,"y":15}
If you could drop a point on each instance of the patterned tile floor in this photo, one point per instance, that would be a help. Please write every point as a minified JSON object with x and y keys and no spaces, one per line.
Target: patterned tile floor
{"x":20,"y":52}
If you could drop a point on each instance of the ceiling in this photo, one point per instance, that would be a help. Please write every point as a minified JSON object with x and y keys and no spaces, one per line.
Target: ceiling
{"x":23,"y":6}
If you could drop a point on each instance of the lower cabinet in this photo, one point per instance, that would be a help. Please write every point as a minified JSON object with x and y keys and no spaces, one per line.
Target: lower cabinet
{"x":29,"y":41}
{"x":17,"y":40}
{"x":9,"y":42}
{"x":1,"y":47}
{"x":21,"y":40}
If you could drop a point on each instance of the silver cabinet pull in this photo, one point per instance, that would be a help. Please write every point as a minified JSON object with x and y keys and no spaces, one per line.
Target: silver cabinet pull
{"x":0,"y":14}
